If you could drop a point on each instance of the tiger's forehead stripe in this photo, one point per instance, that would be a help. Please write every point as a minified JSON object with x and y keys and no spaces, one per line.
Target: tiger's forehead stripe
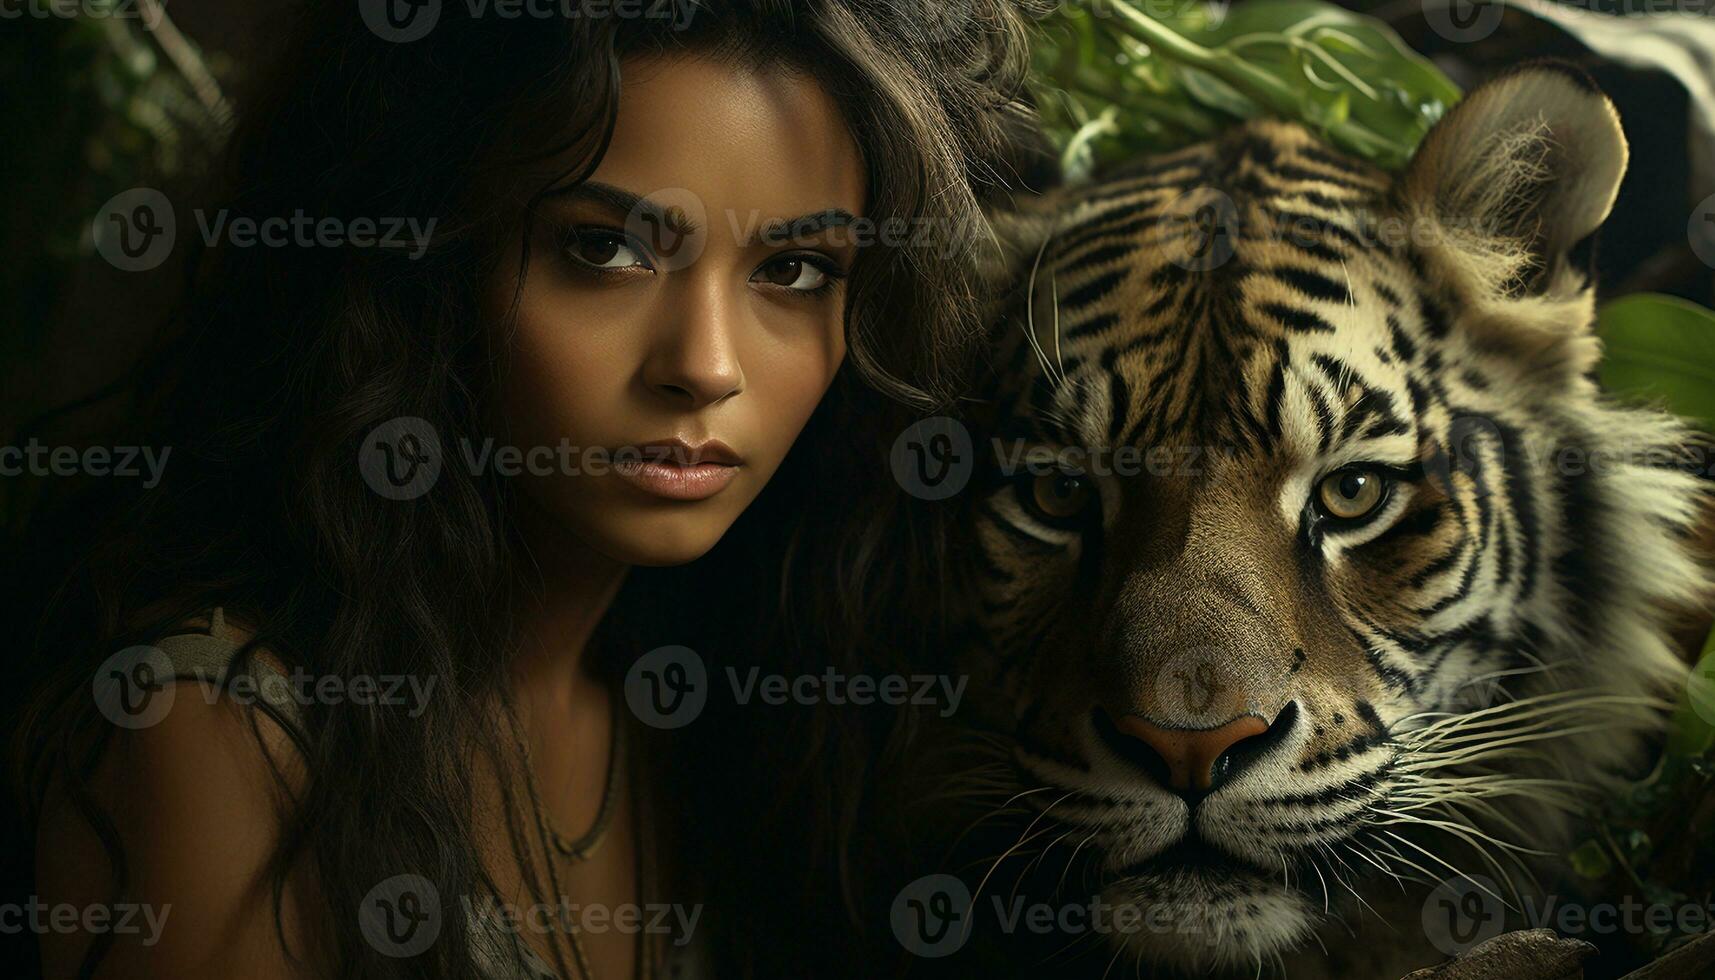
{"x":1170,"y":283}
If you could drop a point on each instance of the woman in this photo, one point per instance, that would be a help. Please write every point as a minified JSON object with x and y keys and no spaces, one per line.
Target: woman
{"x":665,"y":250}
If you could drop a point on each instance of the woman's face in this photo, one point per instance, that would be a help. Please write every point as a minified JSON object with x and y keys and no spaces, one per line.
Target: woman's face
{"x":682,"y":312}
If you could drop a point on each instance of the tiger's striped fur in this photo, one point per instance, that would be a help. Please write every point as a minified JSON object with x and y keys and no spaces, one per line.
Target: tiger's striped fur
{"x":1444,"y":678}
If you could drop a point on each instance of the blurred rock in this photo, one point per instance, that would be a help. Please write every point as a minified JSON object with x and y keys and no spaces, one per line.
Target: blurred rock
{"x":1693,"y":961}
{"x":1530,"y":954}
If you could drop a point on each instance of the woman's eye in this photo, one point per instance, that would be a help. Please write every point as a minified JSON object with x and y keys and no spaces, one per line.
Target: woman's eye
{"x":1351,"y":493}
{"x":1059,"y":499}
{"x":602,"y":249}
{"x":791,"y":272}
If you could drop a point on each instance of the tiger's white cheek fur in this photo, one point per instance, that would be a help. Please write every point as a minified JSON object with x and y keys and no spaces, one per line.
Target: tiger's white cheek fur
{"x":1193,"y":923}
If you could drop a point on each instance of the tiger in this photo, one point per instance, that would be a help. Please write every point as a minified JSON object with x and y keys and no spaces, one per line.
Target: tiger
{"x":1317,"y":575}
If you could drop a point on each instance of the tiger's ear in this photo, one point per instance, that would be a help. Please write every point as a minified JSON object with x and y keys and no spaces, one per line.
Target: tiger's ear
{"x":1513,"y":182}
{"x":1531,"y":160}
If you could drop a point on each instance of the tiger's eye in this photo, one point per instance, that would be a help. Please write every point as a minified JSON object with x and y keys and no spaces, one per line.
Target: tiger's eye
{"x":1061,"y":495}
{"x":1350,"y":494}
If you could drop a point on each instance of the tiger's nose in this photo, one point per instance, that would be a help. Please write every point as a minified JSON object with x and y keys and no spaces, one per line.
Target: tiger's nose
{"x":1194,"y":761}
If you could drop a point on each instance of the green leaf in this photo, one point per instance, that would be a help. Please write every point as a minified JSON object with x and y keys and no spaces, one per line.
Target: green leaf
{"x":1660,"y":349}
{"x":1590,"y":859}
{"x":1691,"y":733}
{"x":1636,"y":845}
{"x":1328,"y":109}
{"x":1216,"y":94}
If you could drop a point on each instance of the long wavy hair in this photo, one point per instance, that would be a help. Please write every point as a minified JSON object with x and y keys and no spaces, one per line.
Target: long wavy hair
{"x":284,"y":358}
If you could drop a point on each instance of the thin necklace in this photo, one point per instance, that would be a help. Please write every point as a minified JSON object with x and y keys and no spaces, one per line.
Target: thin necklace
{"x":578,"y":850}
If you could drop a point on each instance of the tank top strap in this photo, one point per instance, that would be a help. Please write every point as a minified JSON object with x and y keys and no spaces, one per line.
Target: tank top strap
{"x":205,"y":656}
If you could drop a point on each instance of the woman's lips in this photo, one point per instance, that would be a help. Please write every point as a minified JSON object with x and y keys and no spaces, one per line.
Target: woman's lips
{"x":676,"y":470}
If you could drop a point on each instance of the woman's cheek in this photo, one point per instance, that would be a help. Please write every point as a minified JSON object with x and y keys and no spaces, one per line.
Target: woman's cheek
{"x":796,"y":379}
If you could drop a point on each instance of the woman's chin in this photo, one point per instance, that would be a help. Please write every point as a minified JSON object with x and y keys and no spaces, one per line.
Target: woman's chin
{"x":661,"y":539}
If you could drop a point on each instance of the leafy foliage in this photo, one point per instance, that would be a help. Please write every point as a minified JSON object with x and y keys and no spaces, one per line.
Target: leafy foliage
{"x":1121,"y":78}
{"x":97,"y":110}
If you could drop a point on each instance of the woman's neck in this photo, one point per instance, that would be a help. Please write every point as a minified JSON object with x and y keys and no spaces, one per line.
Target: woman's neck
{"x":566,"y":590}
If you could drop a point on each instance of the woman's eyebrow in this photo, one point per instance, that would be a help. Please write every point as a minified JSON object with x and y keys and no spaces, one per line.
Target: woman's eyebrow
{"x":782,"y":230}
{"x":625,"y":202}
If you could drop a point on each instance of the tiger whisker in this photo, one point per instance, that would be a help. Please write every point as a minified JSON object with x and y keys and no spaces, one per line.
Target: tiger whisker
{"x":1054,"y":300}
{"x":1030,"y":312}
{"x":1438,"y":859}
{"x":1023,"y":838}
{"x":1569,"y":701}
{"x":1476,"y":846}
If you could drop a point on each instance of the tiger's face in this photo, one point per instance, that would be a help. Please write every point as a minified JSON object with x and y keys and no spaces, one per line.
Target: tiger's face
{"x":1288,"y":577}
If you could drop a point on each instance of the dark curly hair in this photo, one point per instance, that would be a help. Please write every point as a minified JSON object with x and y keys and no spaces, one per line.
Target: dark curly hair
{"x":284,"y":358}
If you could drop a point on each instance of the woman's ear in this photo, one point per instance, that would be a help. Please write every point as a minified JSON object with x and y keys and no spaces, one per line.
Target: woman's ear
{"x":1511,"y":185}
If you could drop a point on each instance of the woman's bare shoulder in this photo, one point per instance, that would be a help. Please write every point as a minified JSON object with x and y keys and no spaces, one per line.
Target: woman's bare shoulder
{"x":196,"y":785}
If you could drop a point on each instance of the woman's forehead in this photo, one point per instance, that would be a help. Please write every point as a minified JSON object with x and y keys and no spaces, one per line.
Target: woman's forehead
{"x":750,"y":138}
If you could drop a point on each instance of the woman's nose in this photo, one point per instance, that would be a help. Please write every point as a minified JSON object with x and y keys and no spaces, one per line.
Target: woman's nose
{"x":695,"y":358}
